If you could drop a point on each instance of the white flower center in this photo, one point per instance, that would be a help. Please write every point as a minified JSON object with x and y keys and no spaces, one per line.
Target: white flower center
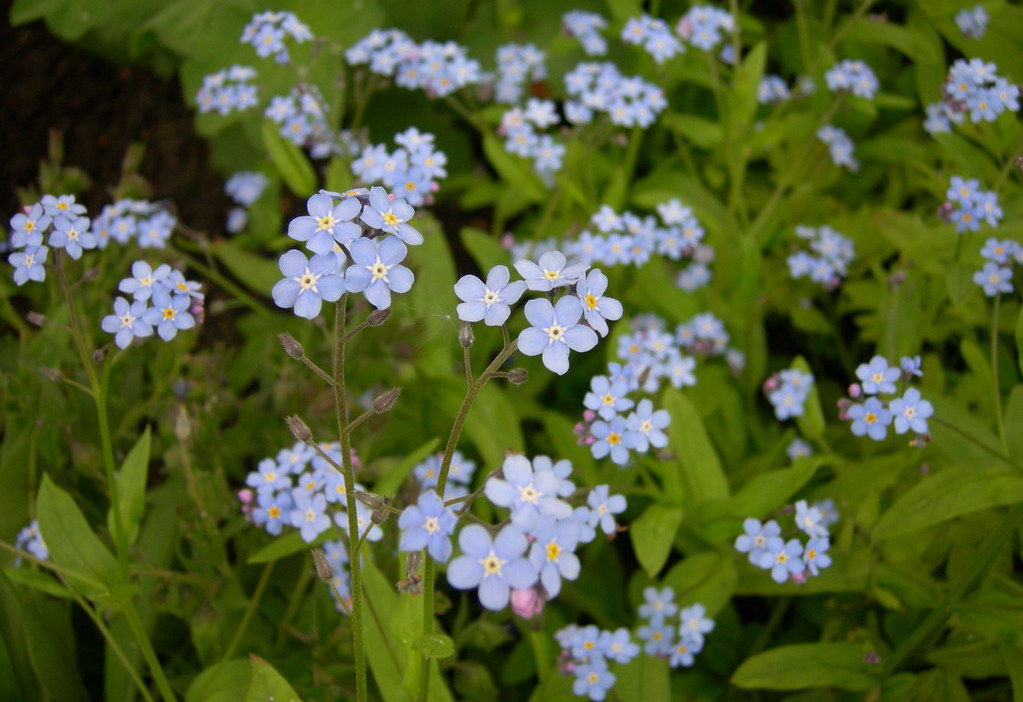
{"x":326,"y":223}
{"x":555,"y":333}
{"x":645,"y":426}
{"x":432,"y":525}
{"x":492,"y":564}
{"x":127,"y":320}
{"x":528,"y":493}
{"x":307,"y":281}
{"x":379,"y":271}
{"x":489,"y":297}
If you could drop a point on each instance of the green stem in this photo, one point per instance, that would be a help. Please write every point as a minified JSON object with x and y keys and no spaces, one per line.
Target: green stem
{"x":429,"y":571}
{"x":341,"y":407}
{"x":997,"y":397}
{"x":135,"y":624}
{"x":976,"y":442}
{"x":257,"y":595}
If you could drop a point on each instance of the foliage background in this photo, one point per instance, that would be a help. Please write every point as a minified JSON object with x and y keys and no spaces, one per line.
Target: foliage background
{"x":915,"y":536}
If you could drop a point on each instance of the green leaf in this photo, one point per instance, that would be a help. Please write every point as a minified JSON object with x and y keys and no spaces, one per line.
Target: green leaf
{"x":485,"y":249}
{"x":694,"y":454}
{"x":434,"y":645}
{"x":491,"y":409}
{"x":286,"y":545}
{"x":289,"y":160}
{"x":515,"y":171}
{"x":901,"y":38}
{"x":1014,"y":418}
{"x":131,"y":490}
{"x":766,"y":492}
{"x":394,"y":476}
{"x":51,"y":648}
{"x":947,"y":494}
{"x":652,"y":535}
{"x":255,"y":272}
{"x":645,"y":679}
{"x":747,"y":80}
{"x":800,"y":666}
{"x":222,"y":682}
{"x":696,"y":130}
{"x":268,"y":685}
{"x":811,"y":422}
{"x":1019,"y":338}
{"x":37,"y":581}
{"x":92,"y":569}
{"x":707,"y":578}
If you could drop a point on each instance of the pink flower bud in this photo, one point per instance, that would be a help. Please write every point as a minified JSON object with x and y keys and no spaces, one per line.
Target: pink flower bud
{"x":855,"y":391}
{"x":245,"y":495}
{"x":526,"y":603}
{"x":771,"y":383}
{"x":589,"y":415}
{"x":589,"y":440}
{"x":507,"y":240}
{"x":799,"y":578}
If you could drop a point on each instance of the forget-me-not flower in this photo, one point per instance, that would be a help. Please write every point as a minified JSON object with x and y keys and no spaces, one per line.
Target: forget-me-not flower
{"x":603,"y":508}
{"x":618,"y":645}
{"x":28,"y":264}
{"x":612,"y":438}
{"x":377,"y":270}
{"x":308,"y":282}
{"x":494,"y":566}
{"x":876,"y":377}
{"x":658,"y":604}
{"x":810,"y":520}
{"x":427,"y":524}
{"x":782,"y":558}
{"x":390,"y":216}
{"x":553,"y":552}
{"x":815,"y":555}
{"x":593,"y":679}
{"x":327,"y":223}
{"x":143,"y":280}
{"x":551,"y":271}
{"x":526,"y":493}
{"x":646,"y":426}
{"x":754,"y":540}
{"x":488,"y":302}
{"x":169,"y":314}
{"x":994,"y":279}
{"x":272,"y":511}
{"x":554,"y":330}
{"x":870,"y":418}
{"x":72,"y":234}
{"x":597,"y":308}
{"x":126,"y":322}
{"x":607,"y":398}
{"x":695,"y":623}
{"x":910,"y":412}
{"x":309,"y":515}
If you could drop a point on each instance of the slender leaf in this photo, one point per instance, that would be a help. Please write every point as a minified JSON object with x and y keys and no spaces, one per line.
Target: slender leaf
{"x":295,"y":169}
{"x":653,"y":534}
{"x":131,"y":490}
{"x":800,"y":666}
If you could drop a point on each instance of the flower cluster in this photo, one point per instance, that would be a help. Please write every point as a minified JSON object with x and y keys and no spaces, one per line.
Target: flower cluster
{"x":941,"y":116}
{"x":244,"y":187}
{"x":335,"y":554}
{"x":791,"y":559}
{"x":460,"y":473}
{"x":536,"y":550}
{"x":358,"y":240}
{"x":300,"y":488}
{"x":586,"y":27}
{"x":968,"y":206}
{"x":704,"y":26}
{"x":973,"y":86}
{"x":147,"y":222}
{"x":996,"y":275}
{"x":437,"y":68}
{"x":161,"y":299}
{"x":519,"y":127}
{"x":628,"y":101}
{"x":833,"y":252}
{"x":302,"y":116}
{"x":267,"y":31}
{"x":787,"y":392}
{"x":853,"y":76}
{"x":972,"y":21}
{"x":772,"y":89}
{"x":228,"y":91}
{"x":840,"y":146}
{"x":31,"y":540}
{"x":517,"y":64}
{"x":411,"y":170}
{"x":873,"y":416}
{"x":585,"y":652}
{"x":798,"y":448}
{"x":654,"y":35}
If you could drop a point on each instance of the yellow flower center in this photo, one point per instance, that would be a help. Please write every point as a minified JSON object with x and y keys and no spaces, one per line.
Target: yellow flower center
{"x":608,"y":399}
{"x":270,"y":477}
{"x":555,"y":332}
{"x":551,"y":275}
{"x":307,"y":281}
{"x":593,"y":678}
{"x":127,"y":320}
{"x":645,"y":426}
{"x":274,"y":512}
{"x":326,"y":222}
{"x":614,"y":439}
{"x":169,"y":313}
{"x":811,"y":554}
{"x":782,"y":557}
{"x":72,"y":234}
{"x":390,"y":219}
{"x":591,"y":301}
{"x":870,"y":418}
{"x":553,"y":551}
{"x":61,"y":205}
{"x":528,"y":493}
{"x":378,"y":271}
{"x":30,"y":225}
{"x":182,"y":287}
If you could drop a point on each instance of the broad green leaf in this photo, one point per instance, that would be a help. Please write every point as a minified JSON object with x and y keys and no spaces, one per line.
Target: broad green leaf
{"x":92,"y":569}
{"x":289,"y":160}
{"x":223,"y":682}
{"x":764,"y":493}
{"x":800,"y":666}
{"x":515,"y":171}
{"x":744,"y":93}
{"x":938,"y":684}
{"x":434,"y":645}
{"x":707,"y":578}
{"x":644,"y":679}
{"x":811,"y":422}
{"x":255,"y":272}
{"x":267,"y":685}
{"x":901,"y":38}
{"x":694,"y":454}
{"x":131,"y":490}
{"x":491,"y":409}
{"x":1013,"y":658}
{"x":697,"y":130}
{"x":394,"y":476}
{"x":286,"y":545}
{"x":954,"y":491}
{"x":37,"y":580}
{"x":653,"y":534}
{"x":485,"y":249}
{"x":51,"y":648}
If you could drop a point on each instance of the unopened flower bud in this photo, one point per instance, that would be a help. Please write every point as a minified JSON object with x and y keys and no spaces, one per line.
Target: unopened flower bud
{"x":182,"y":424}
{"x":36,"y":319}
{"x":299,"y":429}
{"x":855,"y":390}
{"x":98,"y":355}
{"x":379,"y":516}
{"x":52,"y":374}
{"x":291,"y":346}
{"x":324,"y":570}
{"x":412,"y":562}
{"x":518,"y":376}
{"x":527,"y":602}
{"x":369,"y":499}
{"x":770,"y":384}
{"x":385,"y":401}
{"x":465,"y":335}
{"x":378,"y":317}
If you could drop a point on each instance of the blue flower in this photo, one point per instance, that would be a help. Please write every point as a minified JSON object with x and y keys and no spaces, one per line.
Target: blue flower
{"x":168,"y":314}
{"x":427,"y":524}
{"x":377,"y":270}
{"x":554,"y":330}
{"x":596,"y":307}
{"x":646,"y":426}
{"x":682,"y":652}
{"x":327,"y":223}
{"x":144,"y":280}
{"x":488,"y":302}
{"x":659,"y":637}
{"x":310,"y":515}
{"x":658,"y":604}
{"x":994,"y":279}
{"x":31,"y":539}
{"x":64,"y":205}
{"x":618,"y":645}
{"x":460,"y":470}
{"x":815,"y":555}
{"x":126,"y":322}
{"x":695,"y":623}
{"x":308,"y":282}
{"x":754,"y":541}
{"x":782,"y":559}
{"x":810,"y":520}
{"x":552,"y":271}
{"x":612,"y":438}
{"x":271,"y":510}
{"x":268,"y":477}
{"x":911,"y":366}
{"x":494,"y":566}
{"x":603,"y":507}
{"x":28,"y":227}
{"x":553,"y":552}
{"x":72,"y":234}
{"x":593,"y":679}
{"x":584,"y":518}
{"x":999,"y":251}
{"x":28,"y":264}
{"x":798,"y":449}
{"x":245,"y":187}
{"x":876,"y":377}
{"x":910,"y":412}
{"x":527,"y":494}
{"x":584,"y":642}
{"x":363,"y":521}
{"x":391,"y":217}
{"x":787,"y":401}
{"x":607,"y":398}
{"x":562,"y":469}
{"x":870,"y":418}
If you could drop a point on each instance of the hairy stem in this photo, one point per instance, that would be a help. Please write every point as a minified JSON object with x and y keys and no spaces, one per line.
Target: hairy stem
{"x":997,"y":396}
